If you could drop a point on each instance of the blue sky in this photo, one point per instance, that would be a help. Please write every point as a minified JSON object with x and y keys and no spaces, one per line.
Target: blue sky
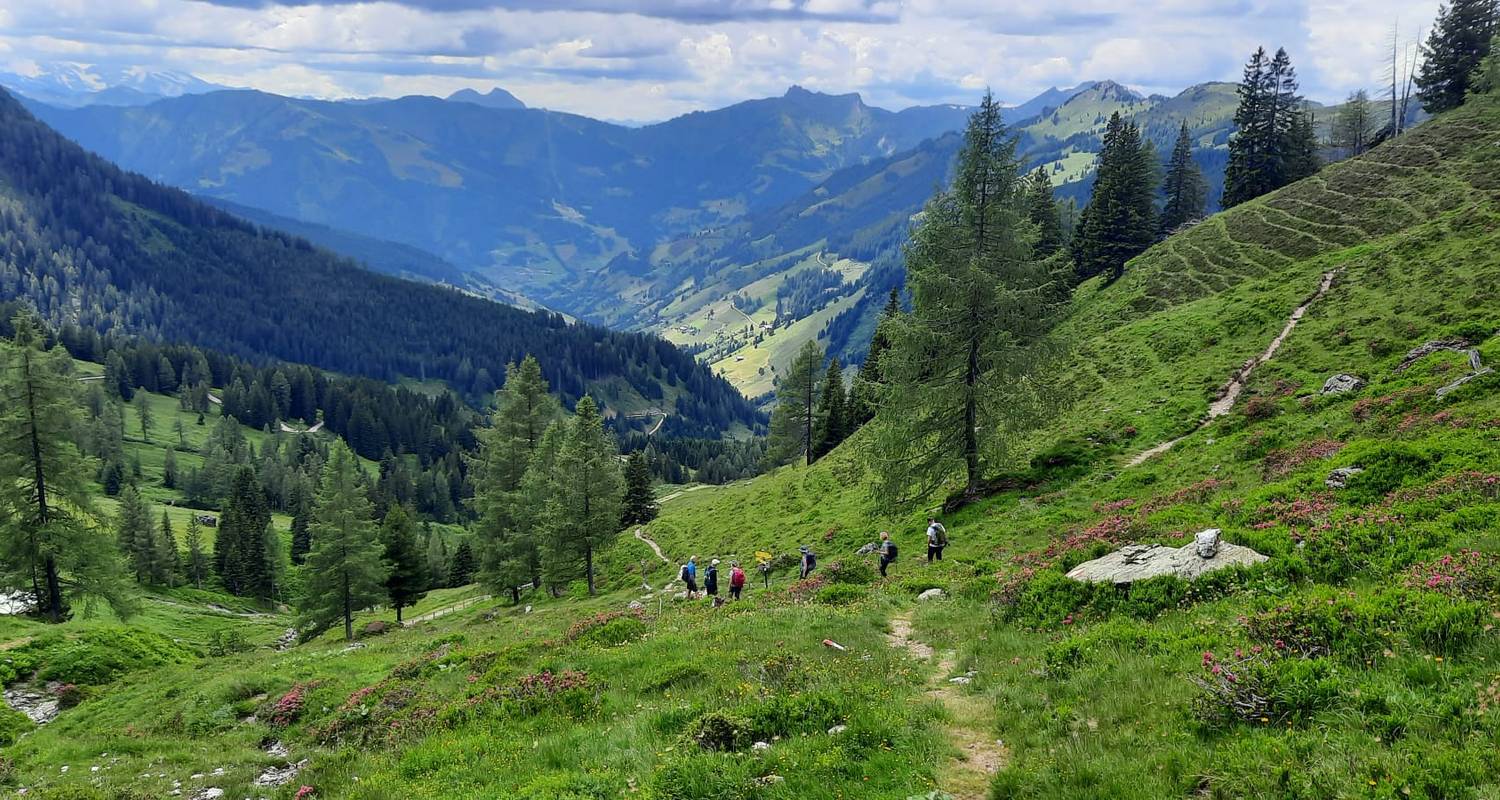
{"x":652,"y":59}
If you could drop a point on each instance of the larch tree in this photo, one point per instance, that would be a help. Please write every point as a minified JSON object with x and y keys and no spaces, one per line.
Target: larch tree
{"x":1184,"y":187}
{"x":345,"y":568}
{"x":506,"y":531}
{"x":406,"y":583}
{"x":962,"y":371}
{"x":143,"y":414}
{"x":50,"y":541}
{"x":167,"y":564}
{"x":586,"y":492}
{"x":640,"y":505}
{"x":864,"y":394}
{"x":794,"y":420}
{"x":1458,"y":43}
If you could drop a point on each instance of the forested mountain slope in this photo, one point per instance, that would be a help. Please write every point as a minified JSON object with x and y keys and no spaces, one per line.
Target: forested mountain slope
{"x":1363,"y":652}
{"x":91,"y":244}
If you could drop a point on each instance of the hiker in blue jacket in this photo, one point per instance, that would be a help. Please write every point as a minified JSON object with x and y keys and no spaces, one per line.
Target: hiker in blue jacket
{"x":689,"y":576}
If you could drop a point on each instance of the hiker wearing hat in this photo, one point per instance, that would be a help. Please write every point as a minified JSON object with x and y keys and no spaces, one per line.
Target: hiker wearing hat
{"x":809,"y":562}
{"x":711,"y":579}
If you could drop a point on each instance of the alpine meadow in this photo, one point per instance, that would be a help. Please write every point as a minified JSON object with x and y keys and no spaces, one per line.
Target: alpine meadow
{"x":648,"y":430}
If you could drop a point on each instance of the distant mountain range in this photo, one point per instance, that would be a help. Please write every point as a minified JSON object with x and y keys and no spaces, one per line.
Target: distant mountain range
{"x":652,"y":227}
{"x":70,"y":85}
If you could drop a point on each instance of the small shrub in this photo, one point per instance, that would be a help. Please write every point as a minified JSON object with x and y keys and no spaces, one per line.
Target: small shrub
{"x":785,"y":671}
{"x":790,"y":714}
{"x":850,"y":571}
{"x":608,"y":628}
{"x":666,"y":676}
{"x":12,"y":724}
{"x":840,"y":594}
{"x":720,"y":732}
{"x":1264,"y":688}
{"x":227,"y":641}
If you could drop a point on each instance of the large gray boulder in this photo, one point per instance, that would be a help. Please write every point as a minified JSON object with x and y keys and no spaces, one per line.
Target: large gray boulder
{"x":1138,"y":562}
{"x":1342,"y":384}
{"x":1339,"y":478}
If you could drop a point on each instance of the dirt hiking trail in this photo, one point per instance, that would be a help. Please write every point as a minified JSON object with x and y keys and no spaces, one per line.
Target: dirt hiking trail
{"x":1236,"y":385}
{"x":966,"y":776}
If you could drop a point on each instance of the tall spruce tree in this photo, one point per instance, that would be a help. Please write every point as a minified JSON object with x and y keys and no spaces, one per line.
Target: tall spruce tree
{"x":241,"y":556}
{"x":143,"y":415}
{"x":136,"y":535}
{"x":1120,"y":220}
{"x":961,"y":373}
{"x":167,"y":564}
{"x":1459,"y":41}
{"x":48,"y":540}
{"x":586,"y":492}
{"x":197,"y":559}
{"x":461,"y":569}
{"x":506,"y":531}
{"x":832,"y":424}
{"x":864,"y":394}
{"x":794,"y":420}
{"x":345,"y":568}
{"x":301,"y":508}
{"x":1274,"y":144}
{"x":1184,"y":187}
{"x":640,"y":499}
{"x":406,"y":583}
{"x":1041,"y":209}
{"x":437,"y":557}
{"x":169,"y":469}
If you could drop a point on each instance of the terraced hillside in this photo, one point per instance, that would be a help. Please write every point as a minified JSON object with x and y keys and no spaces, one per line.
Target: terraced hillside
{"x":1363,"y":654}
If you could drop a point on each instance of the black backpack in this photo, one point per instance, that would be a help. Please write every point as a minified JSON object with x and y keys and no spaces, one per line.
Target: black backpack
{"x":890,"y":551}
{"x":812,"y":561}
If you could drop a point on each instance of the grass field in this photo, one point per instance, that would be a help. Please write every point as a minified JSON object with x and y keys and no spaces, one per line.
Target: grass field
{"x":1364,"y":656}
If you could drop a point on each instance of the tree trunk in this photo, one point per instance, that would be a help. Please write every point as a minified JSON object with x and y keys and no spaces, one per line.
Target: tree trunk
{"x":348,"y":612}
{"x":398,"y":615}
{"x":588,"y":562}
{"x":54,"y":591}
{"x":971,"y":422}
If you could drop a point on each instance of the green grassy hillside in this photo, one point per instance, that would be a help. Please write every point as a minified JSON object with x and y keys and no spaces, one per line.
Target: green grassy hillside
{"x":1364,"y":655}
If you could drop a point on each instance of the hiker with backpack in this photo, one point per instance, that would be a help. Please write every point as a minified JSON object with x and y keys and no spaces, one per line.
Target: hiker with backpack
{"x":711,"y":579}
{"x":689,"y":576}
{"x":937,"y":539}
{"x":736,"y":580}
{"x":809,"y":562}
{"x":887,"y":551}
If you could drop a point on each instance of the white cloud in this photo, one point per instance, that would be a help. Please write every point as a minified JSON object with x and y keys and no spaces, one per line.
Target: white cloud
{"x":653,"y":58}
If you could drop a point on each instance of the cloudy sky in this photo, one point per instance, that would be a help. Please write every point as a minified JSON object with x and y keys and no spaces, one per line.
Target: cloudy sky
{"x":651,"y":59}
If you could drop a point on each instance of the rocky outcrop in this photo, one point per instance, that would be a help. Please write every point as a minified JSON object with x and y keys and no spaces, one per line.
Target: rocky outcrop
{"x":41,"y":704}
{"x":1476,"y":367}
{"x":932,"y":594}
{"x":1138,"y":562}
{"x":1339,"y":478}
{"x":1342,"y":383}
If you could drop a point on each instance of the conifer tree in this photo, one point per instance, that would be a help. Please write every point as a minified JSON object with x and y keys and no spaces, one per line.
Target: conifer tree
{"x":437,"y":557}
{"x":1353,"y":127}
{"x":832,"y":424}
{"x":864,"y":395}
{"x":136,"y":535}
{"x":406,"y":584}
{"x":166,"y":565}
{"x":197,"y":561}
{"x":301,"y":508}
{"x":461,"y":570}
{"x":1184,"y":187}
{"x":241,"y":556}
{"x":506,"y":531}
{"x":1120,"y":220}
{"x":1274,"y":145}
{"x":345,"y":570}
{"x":794,"y":420}
{"x":961,"y":373}
{"x":586,"y":492}
{"x":1457,"y":45}
{"x":143,"y":414}
{"x":169,"y":469}
{"x":1041,"y":209}
{"x":640,"y":499}
{"x":48,"y":543}
{"x":539,"y":489}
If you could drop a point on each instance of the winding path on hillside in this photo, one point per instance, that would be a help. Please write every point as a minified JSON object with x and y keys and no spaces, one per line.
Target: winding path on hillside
{"x":640,"y":533}
{"x":1236,"y":385}
{"x":970,"y":720}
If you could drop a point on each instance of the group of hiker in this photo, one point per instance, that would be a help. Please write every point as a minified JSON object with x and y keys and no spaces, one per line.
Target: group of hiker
{"x":937,"y":539}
